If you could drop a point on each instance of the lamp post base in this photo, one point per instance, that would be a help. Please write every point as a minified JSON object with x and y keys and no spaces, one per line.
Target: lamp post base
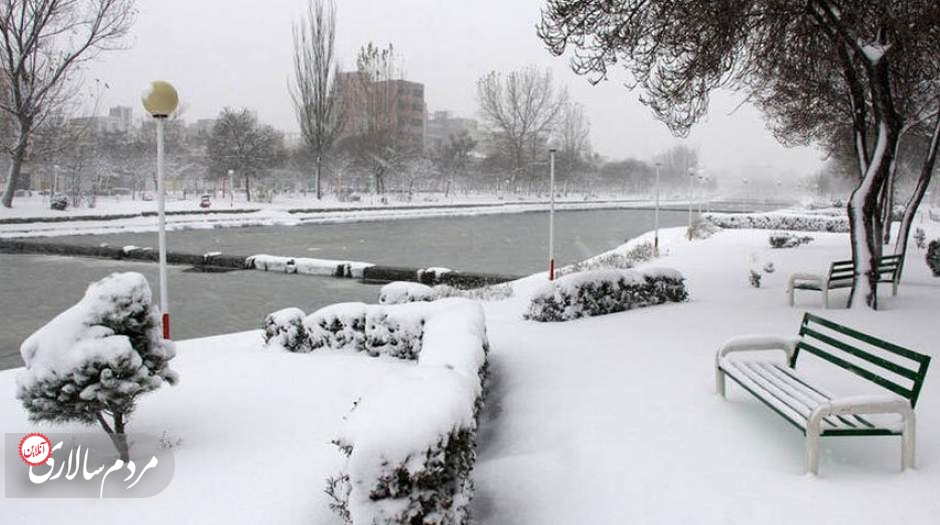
{"x":551,"y":270}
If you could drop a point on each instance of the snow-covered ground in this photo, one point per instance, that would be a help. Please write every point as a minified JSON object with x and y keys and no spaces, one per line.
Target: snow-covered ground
{"x":327,"y":211}
{"x":608,"y":419}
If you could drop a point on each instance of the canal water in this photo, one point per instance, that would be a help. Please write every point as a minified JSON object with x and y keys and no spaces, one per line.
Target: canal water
{"x":35,"y":288}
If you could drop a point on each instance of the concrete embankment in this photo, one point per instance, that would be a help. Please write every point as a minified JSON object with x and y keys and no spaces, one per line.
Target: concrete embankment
{"x":215,"y":261}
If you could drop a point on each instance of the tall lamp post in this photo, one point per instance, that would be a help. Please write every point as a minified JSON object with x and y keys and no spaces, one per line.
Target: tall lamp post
{"x":691,"y":190}
{"x":656,"y":215}
{"x":552,"y":147}
{"x":231,"y":188}
{"x":160,"y":100}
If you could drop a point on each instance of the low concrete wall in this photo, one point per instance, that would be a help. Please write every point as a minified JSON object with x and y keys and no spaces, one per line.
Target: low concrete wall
{"x":221,"y":262}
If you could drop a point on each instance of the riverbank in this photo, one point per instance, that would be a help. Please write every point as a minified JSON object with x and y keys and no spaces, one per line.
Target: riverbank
{"x":30,"y":219}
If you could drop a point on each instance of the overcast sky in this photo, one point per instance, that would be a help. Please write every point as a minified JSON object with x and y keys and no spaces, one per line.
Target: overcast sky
{"x":238,"y":53}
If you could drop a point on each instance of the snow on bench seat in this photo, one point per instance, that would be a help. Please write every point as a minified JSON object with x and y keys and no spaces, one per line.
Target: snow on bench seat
{"x":793,"y":397}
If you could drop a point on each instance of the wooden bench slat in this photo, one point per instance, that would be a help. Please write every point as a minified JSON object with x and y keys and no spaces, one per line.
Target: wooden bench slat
{"x":861,"y":354}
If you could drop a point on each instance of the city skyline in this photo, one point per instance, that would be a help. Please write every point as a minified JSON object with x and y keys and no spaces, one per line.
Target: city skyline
{"x":229,"y":60}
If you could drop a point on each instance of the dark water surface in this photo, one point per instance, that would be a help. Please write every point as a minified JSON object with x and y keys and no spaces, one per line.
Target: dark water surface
{"x":35,"y":288}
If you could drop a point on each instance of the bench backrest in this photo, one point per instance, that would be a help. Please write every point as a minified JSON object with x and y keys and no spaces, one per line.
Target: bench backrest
{"x":889,"y":366}
{"x":887,"y":266}
{"x":841,"y":271}
{"x":890,"y":266}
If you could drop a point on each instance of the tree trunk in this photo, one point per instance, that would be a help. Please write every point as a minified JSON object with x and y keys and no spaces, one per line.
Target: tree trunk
{"x":116,"y":434}
{"x":926,"y":173}
{"x":863,"y":210}
{"x":16,"y":165}
{"x":319,"y":172}
{"x":248,"y":187}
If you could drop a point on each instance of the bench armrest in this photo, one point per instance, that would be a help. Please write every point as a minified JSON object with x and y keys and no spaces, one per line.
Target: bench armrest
{"x":861,"y":405}
{"x":870,"y":404}
{"x":822,"y":281}
{"x":746,"y":343}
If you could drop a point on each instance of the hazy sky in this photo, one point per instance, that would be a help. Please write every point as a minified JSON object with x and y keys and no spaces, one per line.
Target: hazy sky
{"x":238,"y":53}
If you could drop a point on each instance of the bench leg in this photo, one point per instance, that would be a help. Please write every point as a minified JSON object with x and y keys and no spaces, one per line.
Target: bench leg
{"x":894,"y":288}
{"x":825,"y":292}
{"x":790,"y":291}
{"x":907,"y":442}
{"x":813,"y":432}
{"x":719,"y":382}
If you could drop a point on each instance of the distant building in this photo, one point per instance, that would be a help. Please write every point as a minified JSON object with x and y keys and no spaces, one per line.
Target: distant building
{"x":399,"y":101}
{"x":442,"y":125}
{"x":124,"y":116}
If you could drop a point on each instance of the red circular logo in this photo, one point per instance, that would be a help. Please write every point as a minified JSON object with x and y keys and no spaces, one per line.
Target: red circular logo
{"x":35,"y":449}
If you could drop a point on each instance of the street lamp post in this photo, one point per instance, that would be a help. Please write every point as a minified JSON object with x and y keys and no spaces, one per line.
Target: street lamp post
{"x":656,"y":215}
{"x":691,"y":190}
{"x":231,"y":190}
{"x":551,"y":210}
{"x":160,"y":100}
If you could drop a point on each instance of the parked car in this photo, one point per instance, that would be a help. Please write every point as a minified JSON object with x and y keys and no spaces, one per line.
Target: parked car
{"x":59,"y":202}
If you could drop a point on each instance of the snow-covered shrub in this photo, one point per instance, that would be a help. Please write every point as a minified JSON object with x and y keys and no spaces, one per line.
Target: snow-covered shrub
{"x":788,"y":240}
{"x":374,"y":329}
{"x":933,"y":257}
{"x":639,"y":253}
{"x":920,"y":238}
{"x":702,"y":230}
{"x":91,"y":362}
{"x":780,"y":221}
{"x":285,"y":328}
{"x":601,"y":292}
{"x":433,"y":275}
{"x":410,"y":442}
{"x":399,"y":292}
{"x":754,"y":278}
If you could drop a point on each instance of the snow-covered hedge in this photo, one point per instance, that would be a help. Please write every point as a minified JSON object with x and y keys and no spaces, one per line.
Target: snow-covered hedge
{"x":409,"y":442}
{"x":600,"y":292}
{"x":92,"y":361}
{"x":285,"y":328}
{"x":275,"y":263}
{"x":788,"y":240}
{"x":399,"y":292}
{"x":780,"y":221}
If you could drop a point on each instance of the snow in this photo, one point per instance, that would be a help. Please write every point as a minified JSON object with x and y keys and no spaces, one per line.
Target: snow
{"x":609,"y":419}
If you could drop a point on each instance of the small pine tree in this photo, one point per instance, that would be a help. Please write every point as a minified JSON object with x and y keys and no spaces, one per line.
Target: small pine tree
{"x":91,"y":362}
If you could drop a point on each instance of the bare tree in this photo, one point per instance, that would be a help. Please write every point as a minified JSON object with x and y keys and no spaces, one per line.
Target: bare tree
{"x":677,"y":52}
{"x":317,"y":101}
{"x":42,"y":45}
{"x":238,"y":142}
{"x":521,"y":108}
{"x":574,"y":138}
{"x":452,"y":158}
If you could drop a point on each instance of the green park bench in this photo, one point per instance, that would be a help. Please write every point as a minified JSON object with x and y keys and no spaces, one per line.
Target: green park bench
{"x":842,"y":275}
{"x":811,"y":407}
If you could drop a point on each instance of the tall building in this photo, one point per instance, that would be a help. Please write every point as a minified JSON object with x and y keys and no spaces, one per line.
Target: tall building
{"x":442,"y":125}
{"x":396,"y":104}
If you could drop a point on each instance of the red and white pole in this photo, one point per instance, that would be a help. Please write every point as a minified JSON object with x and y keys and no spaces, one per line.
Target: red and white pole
{"x":161,"y":218}
{"x":551,"y":216}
